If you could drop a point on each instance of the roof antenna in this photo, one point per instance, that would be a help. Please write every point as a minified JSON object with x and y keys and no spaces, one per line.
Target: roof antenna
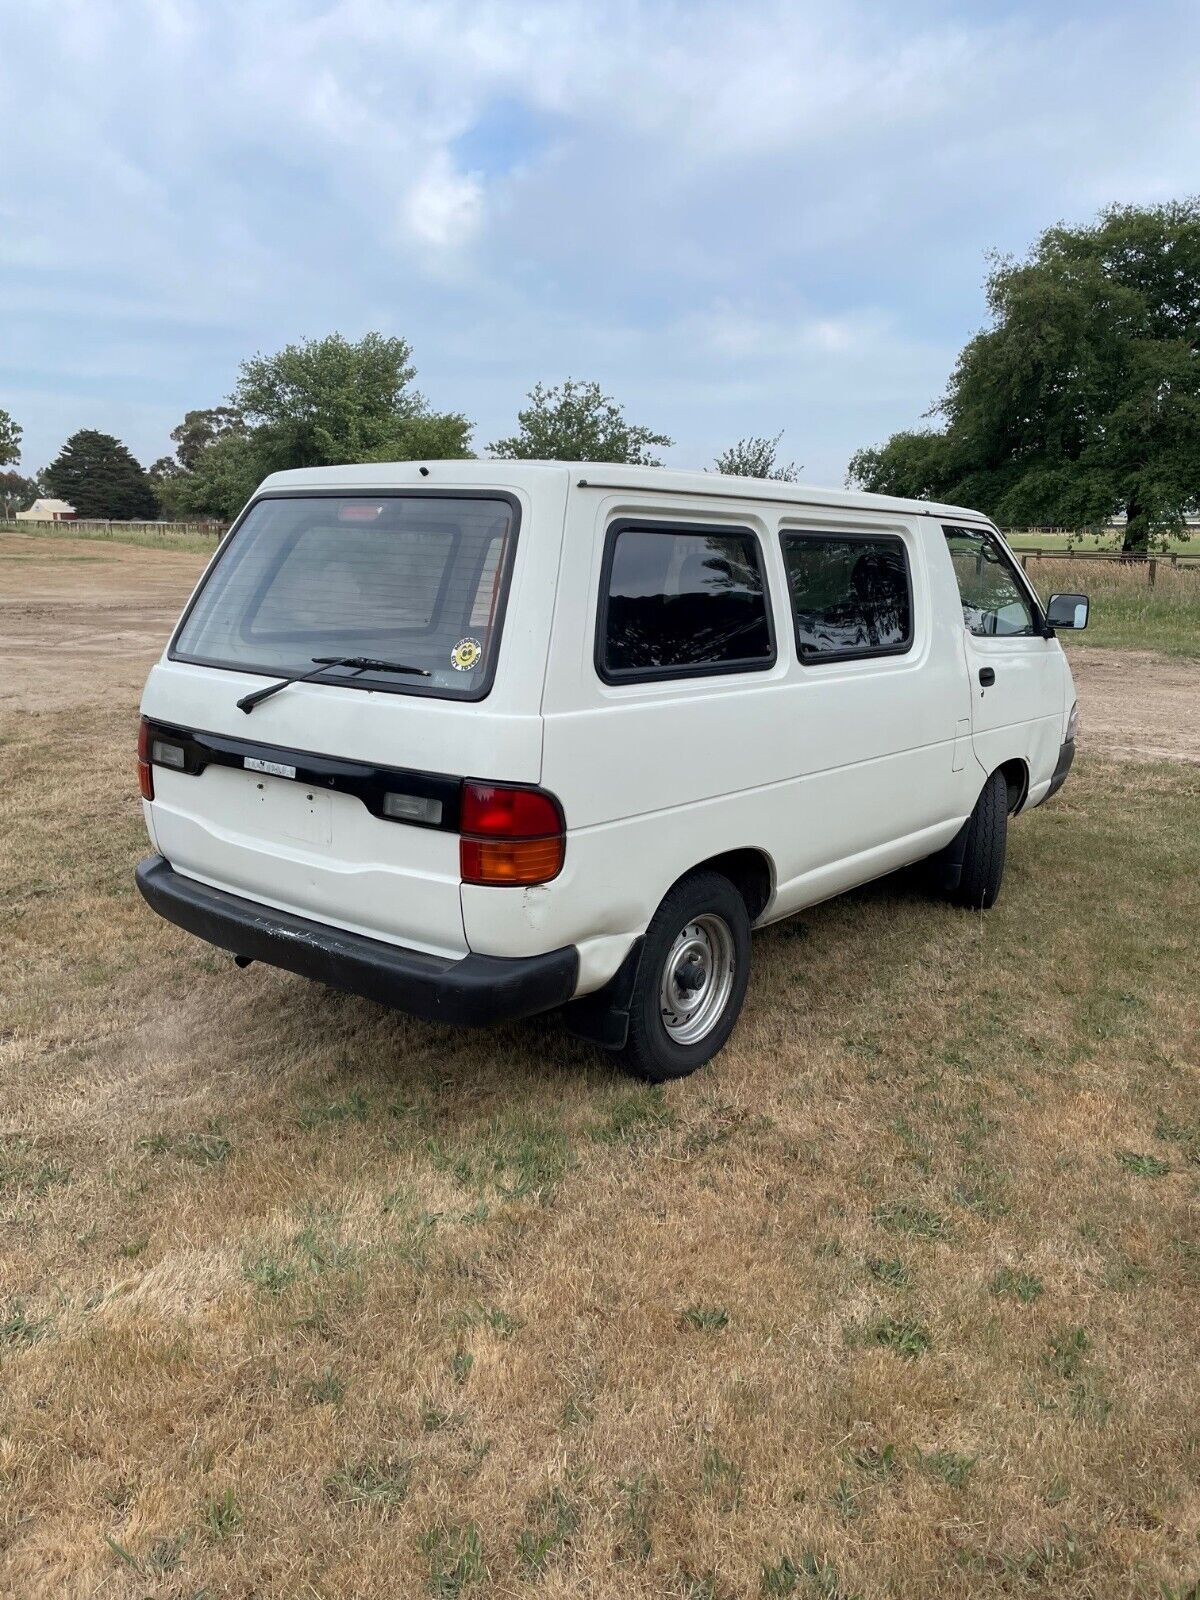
{"x":424,"y":471}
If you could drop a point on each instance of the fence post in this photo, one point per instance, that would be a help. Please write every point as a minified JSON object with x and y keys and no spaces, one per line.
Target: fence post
{"x":1153,"y":571}
{"x":1024,"y":563}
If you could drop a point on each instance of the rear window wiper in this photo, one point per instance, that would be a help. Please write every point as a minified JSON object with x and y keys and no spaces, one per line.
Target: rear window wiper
{"x":358,"y":663}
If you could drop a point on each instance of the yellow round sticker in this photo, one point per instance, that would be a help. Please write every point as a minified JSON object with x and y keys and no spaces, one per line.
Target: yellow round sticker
{"x":465,"y":654}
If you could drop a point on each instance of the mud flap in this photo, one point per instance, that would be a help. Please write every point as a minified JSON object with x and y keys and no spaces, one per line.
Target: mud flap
{"x":603,"y":1018}
{"x":948,"y":863}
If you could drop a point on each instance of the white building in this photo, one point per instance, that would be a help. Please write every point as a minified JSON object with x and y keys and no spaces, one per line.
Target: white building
{"x":48,"y":511}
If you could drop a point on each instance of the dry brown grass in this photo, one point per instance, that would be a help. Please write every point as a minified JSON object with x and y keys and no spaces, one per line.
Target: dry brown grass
{"x":898,"y":1297}
{"x":1127,"y":613}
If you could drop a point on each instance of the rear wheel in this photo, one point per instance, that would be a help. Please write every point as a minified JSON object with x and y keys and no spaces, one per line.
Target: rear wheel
{"x":691,"y":980}
{"x":986,"y":847}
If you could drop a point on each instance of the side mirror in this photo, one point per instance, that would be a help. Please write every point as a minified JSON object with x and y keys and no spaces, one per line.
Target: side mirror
{"x":1067,"y":611}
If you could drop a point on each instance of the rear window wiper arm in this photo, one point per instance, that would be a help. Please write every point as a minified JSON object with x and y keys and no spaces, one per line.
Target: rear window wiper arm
{"x":359,"y":664}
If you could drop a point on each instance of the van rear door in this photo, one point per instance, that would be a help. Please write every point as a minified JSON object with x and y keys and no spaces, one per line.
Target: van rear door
{"x":336,"y":799}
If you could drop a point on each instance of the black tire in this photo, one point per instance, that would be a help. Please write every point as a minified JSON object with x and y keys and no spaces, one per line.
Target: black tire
{"x":986,"y":846}
{"x":650,"y":1051}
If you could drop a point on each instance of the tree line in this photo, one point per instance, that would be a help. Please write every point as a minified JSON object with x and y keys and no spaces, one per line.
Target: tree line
{"x":327,"y":401}
{"x":1080,"y":402}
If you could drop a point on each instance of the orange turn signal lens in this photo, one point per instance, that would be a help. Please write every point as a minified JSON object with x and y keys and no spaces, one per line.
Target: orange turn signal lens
{"x":145,"y":771}
{"x":511,"y":861}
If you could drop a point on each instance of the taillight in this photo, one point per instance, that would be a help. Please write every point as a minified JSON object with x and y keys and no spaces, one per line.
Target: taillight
{"x":510,"y":836}
{"x":145,"y":772}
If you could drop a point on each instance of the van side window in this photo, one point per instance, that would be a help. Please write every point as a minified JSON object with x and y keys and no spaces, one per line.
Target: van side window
{"x":681,"y":601}
{"x":993,"y":599}
{"x":851,"y":594}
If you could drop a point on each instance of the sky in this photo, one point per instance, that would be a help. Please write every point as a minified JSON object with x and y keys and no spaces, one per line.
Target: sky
{"x":737,"y":217}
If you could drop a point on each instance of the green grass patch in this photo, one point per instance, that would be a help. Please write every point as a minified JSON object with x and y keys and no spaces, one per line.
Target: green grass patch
{"x":1143,"y":1166}
{"x":1022,"y":1286}
{"x":455,"y":1560}
{"x":704,"y":1319}
{"x":379,"y":1483}
{"x":901,"y":1334}
{"x":903,"y":1216}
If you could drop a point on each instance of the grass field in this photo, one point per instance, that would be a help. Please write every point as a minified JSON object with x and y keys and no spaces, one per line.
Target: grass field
{"x":302,"y":1298}
{"x":1109,"y":540}
{"x":1126,"y":612}
{"x":142,"y":539}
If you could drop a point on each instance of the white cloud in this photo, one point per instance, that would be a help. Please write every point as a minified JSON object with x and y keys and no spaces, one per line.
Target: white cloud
{"x":443,"y":208}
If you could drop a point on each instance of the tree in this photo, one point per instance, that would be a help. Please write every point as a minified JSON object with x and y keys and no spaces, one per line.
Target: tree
{"x":10,"y":441}
{"x":577,"y":422}
{"x":1082,"y":399}
{"x":315,"y":404}
{"x":16,"y":493}
{"x":166,"y":478}
{"x":198,"y":430}
{"x":97,"y":474}
{"x":755,"y":458}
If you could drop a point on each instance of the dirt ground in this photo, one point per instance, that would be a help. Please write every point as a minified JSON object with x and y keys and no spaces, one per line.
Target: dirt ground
{"x":69,"y":608}
{"x":82,"y":619}
{"x":1135,"y":706}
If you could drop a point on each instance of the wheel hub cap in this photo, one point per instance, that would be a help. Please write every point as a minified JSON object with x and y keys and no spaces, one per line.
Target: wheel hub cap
{"x":697,"y":979}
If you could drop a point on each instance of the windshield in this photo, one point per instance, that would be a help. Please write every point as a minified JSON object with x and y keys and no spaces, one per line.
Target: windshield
{"x":418,"y":579}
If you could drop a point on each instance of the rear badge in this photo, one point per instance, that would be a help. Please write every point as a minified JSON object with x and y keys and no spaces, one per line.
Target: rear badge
{"x":465,"y":654}
{"x":275,"y":768}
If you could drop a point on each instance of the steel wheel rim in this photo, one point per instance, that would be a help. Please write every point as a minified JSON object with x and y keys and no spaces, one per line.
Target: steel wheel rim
{"x":697,"y":979}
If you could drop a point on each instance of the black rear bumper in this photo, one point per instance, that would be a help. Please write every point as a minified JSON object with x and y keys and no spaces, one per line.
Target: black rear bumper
{"x":1066,"y":755}
{"x":475,"y":990}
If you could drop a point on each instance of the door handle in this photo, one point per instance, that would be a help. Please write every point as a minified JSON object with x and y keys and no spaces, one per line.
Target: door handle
{"x":987,"y":676}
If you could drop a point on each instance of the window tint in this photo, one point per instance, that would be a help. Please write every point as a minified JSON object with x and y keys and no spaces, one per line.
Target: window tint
{"x":683,"y":601}
{"x":993,"y":600}
{"x":850,"y":595}
{"x":418,"y":579}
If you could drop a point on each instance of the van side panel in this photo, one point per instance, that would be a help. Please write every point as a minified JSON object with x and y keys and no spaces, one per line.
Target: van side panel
{"x":835,"y":772}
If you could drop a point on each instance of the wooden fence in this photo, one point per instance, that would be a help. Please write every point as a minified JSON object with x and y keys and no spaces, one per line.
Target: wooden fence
{"x":1172,"y":558}
{"x":162,"y":530}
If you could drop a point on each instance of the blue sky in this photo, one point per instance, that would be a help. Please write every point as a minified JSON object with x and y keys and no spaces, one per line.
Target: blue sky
{"x":738,"y":217}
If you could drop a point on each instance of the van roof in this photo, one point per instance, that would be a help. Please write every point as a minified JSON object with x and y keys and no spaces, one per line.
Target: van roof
{"x":601,"y":475}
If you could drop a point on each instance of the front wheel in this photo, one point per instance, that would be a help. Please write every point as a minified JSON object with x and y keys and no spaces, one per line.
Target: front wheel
{"x":986,"y":847}
{"x":691,"y":980}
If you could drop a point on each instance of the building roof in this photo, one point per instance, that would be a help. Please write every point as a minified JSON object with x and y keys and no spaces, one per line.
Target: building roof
{"x":47,"y":507}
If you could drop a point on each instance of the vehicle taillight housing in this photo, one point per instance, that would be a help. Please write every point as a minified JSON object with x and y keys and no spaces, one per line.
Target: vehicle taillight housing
{"x":145,"y":771}
{"x":509,"y":835}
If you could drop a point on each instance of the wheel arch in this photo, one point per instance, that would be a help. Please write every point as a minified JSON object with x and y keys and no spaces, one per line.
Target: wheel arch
{"x":750,"y":870}
{"x":1016,"y":777}
{"x":603,"y":1016}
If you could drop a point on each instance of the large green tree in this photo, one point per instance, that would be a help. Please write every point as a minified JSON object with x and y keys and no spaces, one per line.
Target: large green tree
{"x":100,"y":478}
{"x":1082,"y":399}
{"x":757,"y":458}
{"x":319,"y":403}
{"x":10,"y":440}
{"x":577,"y":421}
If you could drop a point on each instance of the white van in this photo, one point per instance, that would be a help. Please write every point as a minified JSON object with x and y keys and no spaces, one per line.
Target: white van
{"x":483,"y":739}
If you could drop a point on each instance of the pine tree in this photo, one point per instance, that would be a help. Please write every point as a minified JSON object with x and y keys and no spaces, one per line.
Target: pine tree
{"x":100,"y":478}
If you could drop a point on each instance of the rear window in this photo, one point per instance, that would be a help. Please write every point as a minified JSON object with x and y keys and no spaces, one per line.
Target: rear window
{"x":418,"y":580}
{"x":851,"y":595}
{"x":682,"y":602}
